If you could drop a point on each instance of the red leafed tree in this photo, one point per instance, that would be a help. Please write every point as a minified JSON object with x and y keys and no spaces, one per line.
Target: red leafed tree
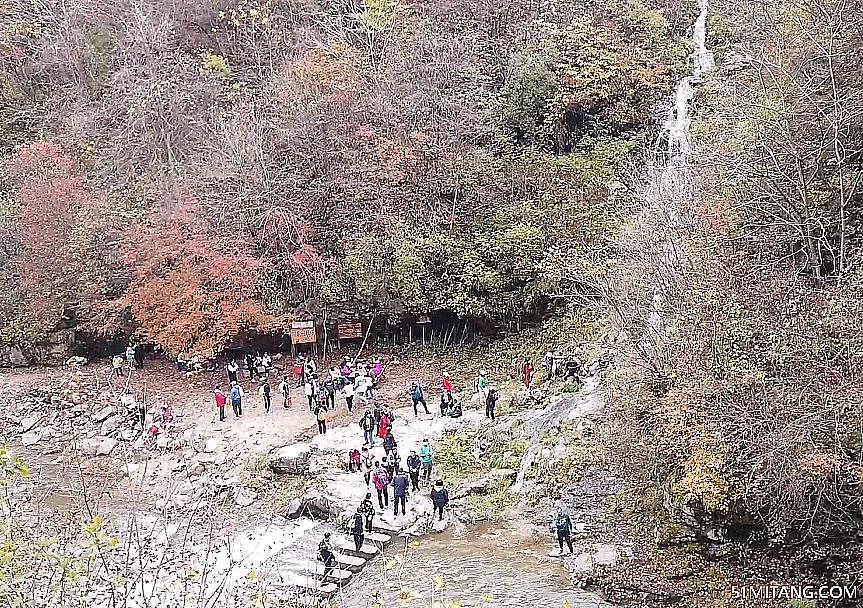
{"x":194,"y":289}
{"x":61,"y":229}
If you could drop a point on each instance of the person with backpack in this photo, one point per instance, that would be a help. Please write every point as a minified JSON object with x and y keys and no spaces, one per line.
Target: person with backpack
{"x":221,"y":400}
{"x":527,"y":370}
{"x":400,"y":492}
{"x":367,"y":424}
{"x":348,"y":393}
{"x":266,"y":396}
{"x":232,"y":368}
{"x":326,"y":555}
{"x":389,"y":443}
{"x":237,"y":399}
{"x":285,"y":391}
{"x":427,"y":457}
{"x":490,"y":403}
{"x":417,"y":396}
{"x":329,"y":391}
{"x":381,"y":481}
{"x":249,"y":361}
{"x":310,"y":389}
{"x":377,"y":414}
{"x":563,"y":526}
{"x":440,"y":498}
{"x":367,"y":460}
{"x":321,"y":417}
{"x":367,"y":507}
{"x":298,"y":371}
{"x":130,"y":356}
{"x":414,"y":463}
{"x":358,"y":528}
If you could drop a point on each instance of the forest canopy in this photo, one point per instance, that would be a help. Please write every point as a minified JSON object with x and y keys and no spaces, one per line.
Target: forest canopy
{"x":209,"y":168}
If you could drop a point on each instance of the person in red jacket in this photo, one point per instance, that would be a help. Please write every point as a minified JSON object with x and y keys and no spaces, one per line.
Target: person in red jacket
{"x":384,"y":426}
{"x":447,"y":383}
{"x":527,"y":372}
{"x":220,"y":402}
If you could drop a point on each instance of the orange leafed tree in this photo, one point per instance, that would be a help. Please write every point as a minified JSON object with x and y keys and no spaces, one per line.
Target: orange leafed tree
{"x":61,"y":226}
{"x":194,"y":289}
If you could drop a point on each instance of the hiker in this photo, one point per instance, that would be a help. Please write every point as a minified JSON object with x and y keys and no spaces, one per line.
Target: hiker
{"x":414,"y":463}
{"x":377,"y":414}
{"x":447,"y":383}
{"x":285,"y":391}
{"x":527,"y":373}
{"x":377,"y":370}
{"x":309,"y":388}
{"x":389,"y":443}
{"x":117,"y":364}
{"x":383,"y":426}
{"x":266,"y":396}
{"x":368,"y":461}
{"x":482,"y":384}
{"x":381,"y":481}
{"x":400,"y":492}
{"x":368,"y":509}
{"x":310,"y":369}
{"x":139,"y":356}
{"x":326,"y":555}
{"x":417,"y":396}
{"x":232,"y":368}
{"x":130,"y":356}
{"x":266,"y":363}
{"x":329,"y":391}
{"x":167,"y":415}
{"x":358,"y":527}
{"x":427,"y":456}
{"x":548,"y":366}
{"x":321,"y":417}
{"x":563,"y":526}
{"x":440,"y":498}
{"x":249,"y":362}
{"x":446,"y":401}
{"x":391,"y":463}
{"x":298,"y":371}
{"x":455,"y":410}
{"x":491,"y":402}
{"x":367,"y":424}
{"x":348,"y":393}
{"x":237,"y":399}
{"x":220,"y":398}
{"x":354,"y":461}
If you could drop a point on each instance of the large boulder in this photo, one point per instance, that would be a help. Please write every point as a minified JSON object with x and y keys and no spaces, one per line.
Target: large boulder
{"x":103,"y":414}
{"x":109,"y":425}
{"x":293,"y":459}
{"x":488,"y":482}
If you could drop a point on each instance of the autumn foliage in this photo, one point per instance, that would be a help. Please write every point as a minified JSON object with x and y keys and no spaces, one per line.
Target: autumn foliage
{"x":194,"y":289}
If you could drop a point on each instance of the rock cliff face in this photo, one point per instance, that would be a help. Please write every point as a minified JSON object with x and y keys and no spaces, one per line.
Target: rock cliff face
{"x":56,"y":349}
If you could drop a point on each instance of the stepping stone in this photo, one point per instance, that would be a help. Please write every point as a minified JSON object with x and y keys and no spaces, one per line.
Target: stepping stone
{"x":339,"y":574}
{"x":384,"y":527}
{"x":350,"y":562}
{"x":346,"y":544}
{"x":377,"y":537}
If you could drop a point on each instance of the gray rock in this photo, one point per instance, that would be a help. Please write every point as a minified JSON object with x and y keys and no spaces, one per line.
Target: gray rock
{"x":106,"y":446}
{"x":293,"y":459}
{"x":91,"y":445}
{"x":12,"y":356}
{"x":103,"y":414}
{"x":126,"y":435}
{"x":74,"y":360}
{"x":29,"y":422}
{"x":30,"y":438}
{"x":211,"y":445}
{"x":110,"y":425}
{"x":244,"y":497}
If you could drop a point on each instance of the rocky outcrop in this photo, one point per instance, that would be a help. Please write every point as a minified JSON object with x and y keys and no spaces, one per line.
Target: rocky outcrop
{"x":293,"y":459}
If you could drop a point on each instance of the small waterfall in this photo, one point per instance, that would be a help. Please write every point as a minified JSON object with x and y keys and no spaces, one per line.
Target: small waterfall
{"x":586,"y":402}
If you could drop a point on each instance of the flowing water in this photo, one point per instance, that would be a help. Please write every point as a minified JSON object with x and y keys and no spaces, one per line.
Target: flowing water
{"x":482,"y":569}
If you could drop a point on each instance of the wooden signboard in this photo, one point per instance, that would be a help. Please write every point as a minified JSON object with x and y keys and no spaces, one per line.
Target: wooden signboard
{"x":347,"y":331}
{"x":303,"y":332}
